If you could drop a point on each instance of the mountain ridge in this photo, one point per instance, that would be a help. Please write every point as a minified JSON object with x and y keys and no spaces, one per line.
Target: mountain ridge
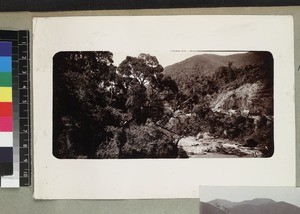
{"x":206,"y":208}
{"x":253,"y":206}
{"x":242,"y":81}
{"x":208,"y":63}
{"x":270,"y":208}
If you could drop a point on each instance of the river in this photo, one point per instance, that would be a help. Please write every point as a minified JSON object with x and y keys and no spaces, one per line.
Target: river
{"x":216,"y":148}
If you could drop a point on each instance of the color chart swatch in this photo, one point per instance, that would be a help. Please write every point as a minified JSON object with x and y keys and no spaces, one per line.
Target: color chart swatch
{"x":6,"y":109}
{"x":15,"y":132}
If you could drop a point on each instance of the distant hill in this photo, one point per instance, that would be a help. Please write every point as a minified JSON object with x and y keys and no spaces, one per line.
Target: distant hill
{"x":280,"y":208}
{"x":255,"y":206}
{"x":239,"y":81}
{"x":206,"y":64}
{"x":271,"y":208}
{"x":225,"y":205}
{"x":246,"y":209}
{"x":206,"y":208}
{"x":258,"y":201}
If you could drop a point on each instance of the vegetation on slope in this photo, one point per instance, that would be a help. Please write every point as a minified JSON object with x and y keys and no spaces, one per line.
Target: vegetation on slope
{"x":140,"y":110}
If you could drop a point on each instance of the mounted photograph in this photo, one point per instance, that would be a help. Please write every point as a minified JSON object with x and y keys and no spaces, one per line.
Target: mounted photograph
{"x":167,"y":101}
{"x":249,"y":200}
{"x":176,"y":104}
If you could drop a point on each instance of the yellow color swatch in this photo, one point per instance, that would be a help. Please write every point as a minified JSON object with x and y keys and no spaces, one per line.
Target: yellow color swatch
{"x":5,"y":94}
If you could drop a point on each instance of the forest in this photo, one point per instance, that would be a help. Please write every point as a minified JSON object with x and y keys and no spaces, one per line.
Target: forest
{"x":139,"y":109}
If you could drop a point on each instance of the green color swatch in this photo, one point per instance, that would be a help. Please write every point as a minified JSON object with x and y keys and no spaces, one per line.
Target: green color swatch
{"x":5,"y":79}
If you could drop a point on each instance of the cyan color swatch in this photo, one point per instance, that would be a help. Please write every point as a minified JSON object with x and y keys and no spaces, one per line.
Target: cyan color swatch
{"x":5,"y":63}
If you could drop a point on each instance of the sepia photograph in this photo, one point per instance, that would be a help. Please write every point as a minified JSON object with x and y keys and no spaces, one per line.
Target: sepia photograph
{"x":177,"y":104}
{"x":249,"y":200}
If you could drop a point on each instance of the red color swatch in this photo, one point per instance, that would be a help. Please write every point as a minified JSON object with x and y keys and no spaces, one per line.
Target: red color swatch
{"x":5,"y":109}
{"x":6,"y":124}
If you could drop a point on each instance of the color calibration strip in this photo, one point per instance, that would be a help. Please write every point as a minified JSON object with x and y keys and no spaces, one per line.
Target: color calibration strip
{"x":6,"y":109}
{"x":20,"y":109}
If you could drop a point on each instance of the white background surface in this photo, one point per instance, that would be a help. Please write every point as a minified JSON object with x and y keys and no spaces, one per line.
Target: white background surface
{"x":176,"y":178}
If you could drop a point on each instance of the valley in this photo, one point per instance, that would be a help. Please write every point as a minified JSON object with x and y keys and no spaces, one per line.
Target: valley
{"x":205,"y":106}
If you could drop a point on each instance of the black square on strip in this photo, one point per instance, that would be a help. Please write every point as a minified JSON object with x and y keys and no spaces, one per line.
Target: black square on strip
{"x":6,"y":168}
{"x":6,"y":154}
{"x":6,"y":161}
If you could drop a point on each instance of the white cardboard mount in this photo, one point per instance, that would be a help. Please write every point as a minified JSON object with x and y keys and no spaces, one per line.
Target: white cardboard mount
{"x":160,"y":178}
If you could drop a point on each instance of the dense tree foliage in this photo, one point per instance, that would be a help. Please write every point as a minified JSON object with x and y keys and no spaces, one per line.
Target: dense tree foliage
{"x":82,"y":100}
{"x":100,"y":107}
{"x":246,"y":97}
{"x":134,"y":110}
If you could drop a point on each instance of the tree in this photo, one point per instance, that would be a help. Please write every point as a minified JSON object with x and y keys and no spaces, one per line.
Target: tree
{"x":147,"y":87}
{"x":99,"y":108}
{"x":82,"y":90}
{"x":142,"y":68}
{"x":150,"y":95}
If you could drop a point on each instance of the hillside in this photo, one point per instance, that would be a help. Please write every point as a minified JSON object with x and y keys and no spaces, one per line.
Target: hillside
{"x":222,"y":204}
{"x":230,"y":97}
{"x":255,"y":206}
{"x":280,"y":208}
{"x":204,"y":64}
{"x":273,"y":208}
{"x":246,"y":209}
{"x":207,"y":64}
{"x":206,"y":208}
{"x":226,"y":205}
{"x":241,"y":98}
{"x":258,"y":201}
{"x":239,"y":81}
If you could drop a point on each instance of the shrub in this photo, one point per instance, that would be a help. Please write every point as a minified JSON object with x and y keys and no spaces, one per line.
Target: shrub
{"x":148,"y":142}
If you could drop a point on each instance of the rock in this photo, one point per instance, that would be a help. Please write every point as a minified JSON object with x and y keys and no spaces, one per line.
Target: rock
{"x":199,"y":136}
{"x":182,"y":153}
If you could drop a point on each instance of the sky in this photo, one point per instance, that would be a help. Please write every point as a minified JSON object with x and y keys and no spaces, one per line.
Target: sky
{"x":237,"y":194}
{"x":165,"y":58}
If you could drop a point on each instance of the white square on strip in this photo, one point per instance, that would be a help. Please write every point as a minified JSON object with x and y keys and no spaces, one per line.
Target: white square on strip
{"x":6,"y":139}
